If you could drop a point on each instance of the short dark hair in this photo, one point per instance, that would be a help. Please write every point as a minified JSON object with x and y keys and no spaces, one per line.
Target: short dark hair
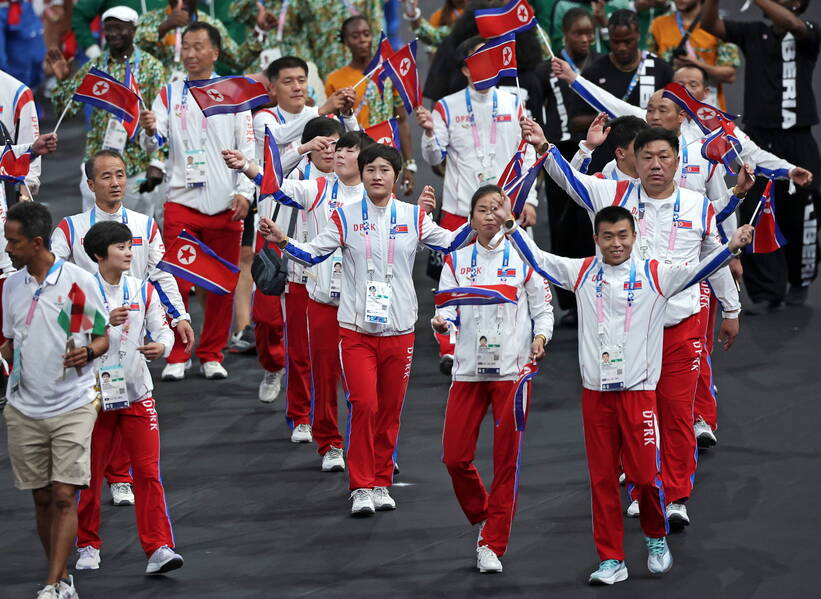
{"x":102,"y":235}
{"x":624,"y":129}
{"x":91,"y":162}
{"x":482,"y":192}
{"x":466,"y":48}
{"x":285,"y":62}
{"x":347,"y":22}
{"x":321,"y":126}
{"x":613,"y":214}
{"x":705,"y":77}
{"x":375,"y":151}
{"x":655,"y":134}
{"x":213,"y":33}
{"x":355,"y":139}
{"x":623,"y":18}
{"x":34,"y":219}
{"x":577,"y":13}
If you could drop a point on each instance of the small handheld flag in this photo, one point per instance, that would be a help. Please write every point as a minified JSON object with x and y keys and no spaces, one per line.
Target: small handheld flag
{"x":401,"y":68}
{"x":493,"y":61}
{"x":101,"y":90}
{"x":521,"y":396}
{"x":476,"y":295}
{"x":270,"y":187}
{"x":79,"y":317}
{"x":227,"y":95}
{"x":190,"y":259}
{"x":130,"y":82}
{"x":767,"y":236}
{"x":386,"y":132}
{"x":514,"y":17}
{"x":13,"y":168}
{"x":721,"y":146}
{"x":707,"y":117}
{"x":374,"y":69}
{"x":518,"y":189}
{"x":513,"y":170}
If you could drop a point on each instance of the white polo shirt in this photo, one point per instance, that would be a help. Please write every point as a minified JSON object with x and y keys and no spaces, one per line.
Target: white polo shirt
{"x":47,"y":389}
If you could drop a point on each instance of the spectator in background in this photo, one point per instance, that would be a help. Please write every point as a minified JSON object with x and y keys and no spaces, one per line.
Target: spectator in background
{"x":432,"y":31}
{"x":647,"y":11}
{"x":550,"y":14}
{"x":703,"y":49}
{"x":21,"y":42}
{"x":85,"y":11}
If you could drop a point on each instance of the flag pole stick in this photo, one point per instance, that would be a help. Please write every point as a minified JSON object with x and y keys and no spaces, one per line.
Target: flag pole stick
{"x":60,"y":120}
{"x":365,"y":78}
{"x":546,"y":42}
{"x":757,"y":208}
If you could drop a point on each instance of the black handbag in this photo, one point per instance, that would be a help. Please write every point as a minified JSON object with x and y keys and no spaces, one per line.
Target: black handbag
{"x":270,"y":270}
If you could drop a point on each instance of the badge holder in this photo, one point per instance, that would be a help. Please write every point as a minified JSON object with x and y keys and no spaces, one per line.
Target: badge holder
{"x":611,"y":368}
{"x":115,"y":136}
{"x":194,"y":168}
{"x":113,"y":388}
{"x":377,"y":302}
{"x":336,"y":276}
{"x":488,"y":352}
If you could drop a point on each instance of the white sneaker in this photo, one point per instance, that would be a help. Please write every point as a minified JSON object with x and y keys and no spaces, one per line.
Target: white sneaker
{"x":173,"y":372}
{"x":704,"y":434}
{"x":302,"y":434}
{"x":659,"y":558}
{"x":333,"y":460}
{"x":362,"y":502}
{"x":633,"y":509}
{"x":610,"y":571}
{"x":213,"y":370}
{"x":122,"y":494}
{"x":677,"y":515}
{"x":382,"y":500}
{"x":270,"y":386}
{"x":66,"y":590}
{"x":487,"y":561}
{"x":89,"y":558}
{"x":50,"y":591}
{"x":163,"y":560}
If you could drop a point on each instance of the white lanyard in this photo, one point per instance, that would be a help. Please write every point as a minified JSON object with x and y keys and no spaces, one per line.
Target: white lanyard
{"x":391,"y":242}
{"x":671,"y":242}
{"x":474,"y":128}
{"x":631,"y":296}
{"x":184,"y":122}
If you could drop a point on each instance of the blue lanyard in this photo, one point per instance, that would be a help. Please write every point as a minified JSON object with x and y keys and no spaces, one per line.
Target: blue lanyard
{"x":136,"y":56}
{"x":307,"y":174}
{"x":335,"y":191}
{"x":569,"y":60}
{"x":105,"y":297}
{"x":505,"y":261}
{"x":93,"y":217}
{"x":680,"y":24}
{"x":391,"y":240}
{"x":635,"y":79}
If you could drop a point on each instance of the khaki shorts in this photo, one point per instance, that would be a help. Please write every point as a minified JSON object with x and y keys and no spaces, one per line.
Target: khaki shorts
{"x":53,"y":449}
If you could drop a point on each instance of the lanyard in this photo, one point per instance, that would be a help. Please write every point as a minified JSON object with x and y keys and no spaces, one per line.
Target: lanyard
{"x":569,"y":60}
{"x":105,"y":297}
{"x":391,"y":241}
{"x":93,"y":217}
{"x":474,"y":129}
{"x":184,"y":121}
{"x":307,"y":173}
{"x":631,"y":297}
{"x":635,"y":79}
{"x":474,"y":271}
{"x":36,"y":297}
{"x":671,"y":242}
{"x":682,"y":182}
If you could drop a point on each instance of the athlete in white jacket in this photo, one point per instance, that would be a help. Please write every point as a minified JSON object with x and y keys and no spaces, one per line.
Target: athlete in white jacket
{"x":317,"y":199}
{"x":674,"y":225}
{"x":493,"y":344}
{"x":379,"y":237}
{"x":622,"y":301}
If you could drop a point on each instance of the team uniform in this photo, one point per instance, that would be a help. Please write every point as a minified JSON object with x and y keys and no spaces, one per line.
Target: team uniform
{"x":200,"y":191}
{"x":486,"y":376}
{"x":676,"y":229}
{"x":137,"y":423}
{"x":623,"y":310}
{"x":377,"y":312}
{"x":477,"y":133}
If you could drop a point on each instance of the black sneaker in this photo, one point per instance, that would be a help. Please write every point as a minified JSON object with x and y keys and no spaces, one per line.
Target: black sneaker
{"x":797,"y":296}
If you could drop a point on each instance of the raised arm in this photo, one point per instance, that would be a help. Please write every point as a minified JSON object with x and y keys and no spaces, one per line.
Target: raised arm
{"x":600,"y":99}
{"x":710,"y":19}
{"x":783,"y":18}
{"x":436,"y":136}
{"x":313,"y":252}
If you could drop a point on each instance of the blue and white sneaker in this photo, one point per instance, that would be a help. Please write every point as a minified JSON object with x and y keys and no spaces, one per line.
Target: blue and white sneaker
{"x":610,"y":571}
{"x":659,"y":558}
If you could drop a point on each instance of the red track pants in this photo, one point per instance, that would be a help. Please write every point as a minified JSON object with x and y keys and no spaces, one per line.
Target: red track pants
{"x":705,"y":406}
{"x":451,"y":222}
{"x":118,"y":469}
{"x":467,"y":405}
{"x":140,"y":430}
{"x":375,"y":373}
{"x":222,"y":235}
{"x":298,"y":398}
{"x":323,"y":332}
{"x":269,"y":328}
{"x":622,"y":423}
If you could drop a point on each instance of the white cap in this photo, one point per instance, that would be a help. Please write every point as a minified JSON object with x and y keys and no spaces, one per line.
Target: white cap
{"x":121,"y":13}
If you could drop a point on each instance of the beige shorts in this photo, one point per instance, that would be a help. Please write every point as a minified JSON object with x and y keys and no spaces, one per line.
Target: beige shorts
{"x":53,"y":449}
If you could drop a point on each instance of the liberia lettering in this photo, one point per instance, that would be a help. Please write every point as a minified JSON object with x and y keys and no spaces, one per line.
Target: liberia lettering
{"x":788,"y":73}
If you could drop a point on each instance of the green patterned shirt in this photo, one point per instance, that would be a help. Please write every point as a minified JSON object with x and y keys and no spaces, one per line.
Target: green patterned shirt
{"x":293,"y":42}
{"x":235,"y":56}
{"x":151,"y":75}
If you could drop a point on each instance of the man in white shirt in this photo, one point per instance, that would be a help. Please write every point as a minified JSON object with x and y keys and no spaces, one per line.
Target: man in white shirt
{"x":204,"y":196}
{"x":50,"y":412}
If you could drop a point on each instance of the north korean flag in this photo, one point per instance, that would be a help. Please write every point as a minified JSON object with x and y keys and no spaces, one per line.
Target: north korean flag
{"x":386,"y":133}
{"x":269,"y":186}
{"x":103,"y":91}
{"x":721,"y":146}
{"x":521,"y":393}
{"x":190,"y":259}
{"x":706,"y":116}
{"x":518,"y":189}
{"x":374,"y":68}
{"x":493,"y":61}
{"x":513,"y":170}
{"x":514,"y":17}
{"x":401,"y":68}
{"x":227,"y":95}
{"x":476,"y":295}
{"x":767,"y":236}
{"x":130,"y":82}
{"x":14,"y":168}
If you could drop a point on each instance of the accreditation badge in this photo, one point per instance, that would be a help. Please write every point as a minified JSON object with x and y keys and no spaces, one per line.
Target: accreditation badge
{"x":611,"y":368}
{"x":335,"y":283}
{"x":194,"y":168}
{"x":115,"y":136}
{"x":488,"y":351}
{"x":377,"y":302}
{"x":112,"y":387}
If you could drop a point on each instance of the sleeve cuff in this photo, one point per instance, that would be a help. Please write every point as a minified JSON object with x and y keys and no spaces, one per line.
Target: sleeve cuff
{"x":183,"y":316}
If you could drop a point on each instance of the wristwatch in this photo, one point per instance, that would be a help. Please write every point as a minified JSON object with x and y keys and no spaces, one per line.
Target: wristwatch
{"x":90,"y":355}
{"x":283,"y":243}
{"x":510,"y":224}
{"x":543,"y":148}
